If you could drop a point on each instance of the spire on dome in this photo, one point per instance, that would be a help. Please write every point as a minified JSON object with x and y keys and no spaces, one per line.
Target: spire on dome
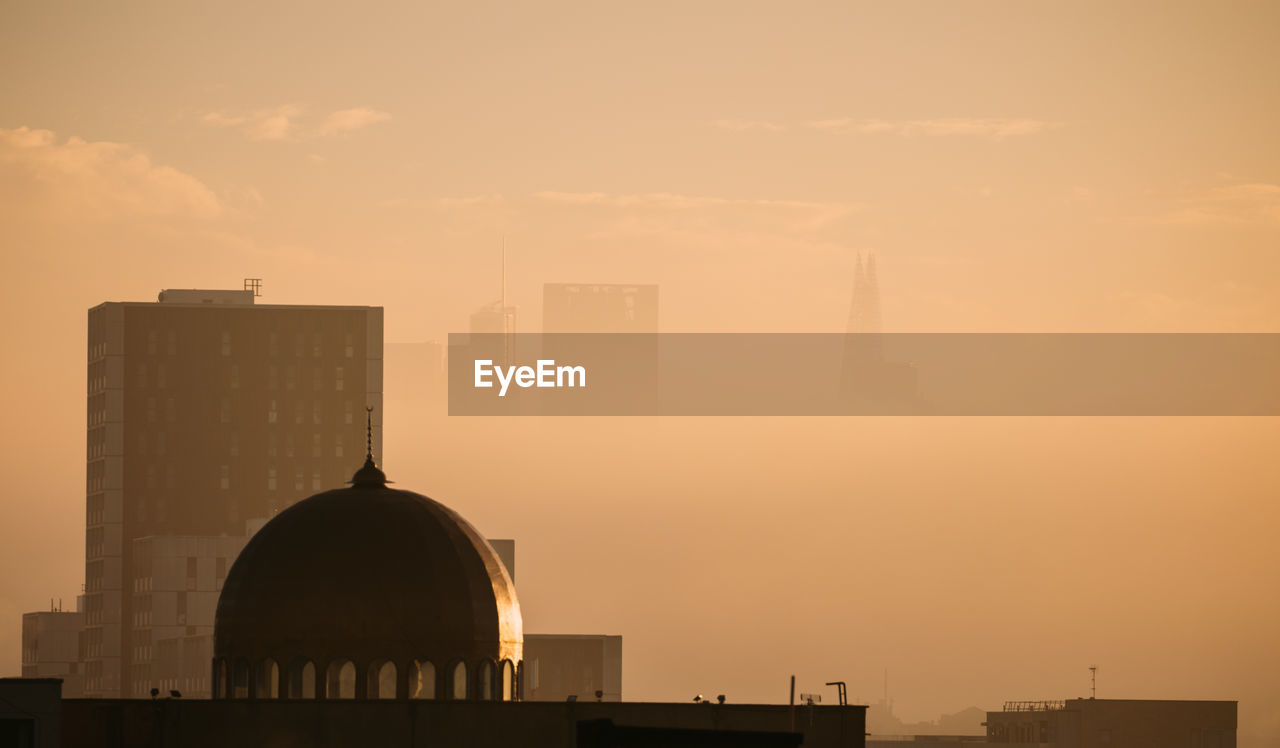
{"x":369,"y":475}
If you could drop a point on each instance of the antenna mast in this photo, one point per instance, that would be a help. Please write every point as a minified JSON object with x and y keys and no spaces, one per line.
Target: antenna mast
{"x":1093,"y":681}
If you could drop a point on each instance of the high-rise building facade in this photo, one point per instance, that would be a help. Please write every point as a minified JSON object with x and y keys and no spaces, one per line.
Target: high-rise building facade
{"x":599,"y":307}
{"x":206,"y":410}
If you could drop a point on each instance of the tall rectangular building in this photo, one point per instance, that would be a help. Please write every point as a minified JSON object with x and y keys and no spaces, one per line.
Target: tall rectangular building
{"x":599,"y":307}
{"x":206,"y":410}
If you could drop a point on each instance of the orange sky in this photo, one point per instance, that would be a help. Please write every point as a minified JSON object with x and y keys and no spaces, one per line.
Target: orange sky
{"x":1016,"y":166}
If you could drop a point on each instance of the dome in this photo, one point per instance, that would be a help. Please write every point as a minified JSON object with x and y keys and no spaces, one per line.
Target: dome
{"x":368,"y":591}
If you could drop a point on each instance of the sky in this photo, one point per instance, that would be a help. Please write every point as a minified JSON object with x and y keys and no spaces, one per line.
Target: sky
{"x":1022,"y":166}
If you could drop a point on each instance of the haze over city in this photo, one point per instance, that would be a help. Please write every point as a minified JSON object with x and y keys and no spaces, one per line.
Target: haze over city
{"x":1014,"y":166}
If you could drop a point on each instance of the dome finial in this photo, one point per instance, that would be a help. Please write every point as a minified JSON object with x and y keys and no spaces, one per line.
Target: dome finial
{"x":369,"y":474}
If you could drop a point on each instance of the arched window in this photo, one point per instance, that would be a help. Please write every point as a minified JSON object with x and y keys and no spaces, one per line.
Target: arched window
{"x":302,"y":679}
{"x":484,"y":681}
{"x":340,"y":681}
{"x":382,"y":680}
{"x":266,"y":683}
{"x":422,"y":680}
{"x":220,"y":679}
{"x":458,"y":681}
{"x":240,"y":679}
{"x":508,"y":681}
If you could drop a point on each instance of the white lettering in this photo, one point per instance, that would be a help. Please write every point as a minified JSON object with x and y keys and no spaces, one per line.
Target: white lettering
{"x":580,"y":371}
{"x":481,"y":372}
{"x":546,"y":374}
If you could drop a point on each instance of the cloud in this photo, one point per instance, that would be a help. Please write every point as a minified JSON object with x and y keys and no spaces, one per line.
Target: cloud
{"x":263,"y":124}
{"x":990,"y":128}
{"x":286,"y":122}
{"x":347,"y":120}
{"x":796,"y":215}
{"x":1245,"y":204}
{"x":79,"y":180}
{"x":745,"y":125}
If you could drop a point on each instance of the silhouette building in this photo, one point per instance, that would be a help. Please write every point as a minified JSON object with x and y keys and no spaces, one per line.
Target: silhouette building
{"x":1099,"y":723}
{"x":205,"y":410}
{"x":870,"y":382}
{"x":51,"y":647}
{"x":599,"y":307}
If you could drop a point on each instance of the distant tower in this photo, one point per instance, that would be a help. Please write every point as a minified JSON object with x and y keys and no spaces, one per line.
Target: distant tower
{"x":864,"y":309}
{"x":497,"y":317}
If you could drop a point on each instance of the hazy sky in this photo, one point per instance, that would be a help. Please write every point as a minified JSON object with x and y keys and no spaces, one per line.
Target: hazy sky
{"x":1016,"y":166}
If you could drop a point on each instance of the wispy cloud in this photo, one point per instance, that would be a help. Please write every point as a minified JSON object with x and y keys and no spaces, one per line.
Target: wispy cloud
{"x":278,"y":123}
{"x":1255,"y":203}
{"x":288,"y":122}
{"x":79,"y":180}
{"x":347,"y":120}
{"x":797,"y":214}
{"x":745,"y":125}
{"x":982,"y":127}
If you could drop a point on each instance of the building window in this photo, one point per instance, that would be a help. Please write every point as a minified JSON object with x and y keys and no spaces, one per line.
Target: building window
{"x":267,"y":683}
{"x":337,"y":446}
{"x":226,"y":343}
{"x":240,"y":680}
{"x":337,"y":379}
{"x":170,"y":410}
{"x":382,"y":680}
{"x":458,"y":681}
{"x":142,"y":376}
{"x":272,"y":414}
{"x":160,"y":443}
{"x":271,"y":478}
{"x":315,"y":345}
{"x":234,"y":378}
{"x":508,"y":684}
{"x":224,"y":412}
{"x":297,"y":480}
{"x":224,"y":477}
{"x":422,"y":680}
{"x":316,"y":412}
{"x":349,"y":350}
{"x":340,"y":681}
{"x":273,"y":377}
{"x":273,"y":344}
{"x":315,"y":445}
{"x":346,"y":412}
{"x":272,"y":447}
{"x":162,"y":376}
{"x":315,"y":481}
{"x":233,"y":447}
{"x":288,"y":446}
{"x":291,"y":378}
{"x":484,"y":681}
{"x":151,"y":342}
{"x":302,"y":679}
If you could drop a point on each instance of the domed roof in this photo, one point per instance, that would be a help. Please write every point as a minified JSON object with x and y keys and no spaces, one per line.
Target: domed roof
{"x":366,"y":573}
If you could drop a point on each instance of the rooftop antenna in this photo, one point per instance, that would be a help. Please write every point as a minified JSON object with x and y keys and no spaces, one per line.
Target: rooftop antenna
{"x":253,"y":284}
{"x":1093,"y":681}
{"x":504,"y":278}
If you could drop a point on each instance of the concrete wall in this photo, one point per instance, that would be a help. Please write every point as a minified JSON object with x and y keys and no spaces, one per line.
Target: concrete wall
{"x":100,"y":723}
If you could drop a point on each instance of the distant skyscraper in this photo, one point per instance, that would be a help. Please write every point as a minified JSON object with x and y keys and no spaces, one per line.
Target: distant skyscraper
{"x":869,"y":383}
{"x":204,"y":411}
{"x":864,"y":308}
{"x":599,"y":307}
